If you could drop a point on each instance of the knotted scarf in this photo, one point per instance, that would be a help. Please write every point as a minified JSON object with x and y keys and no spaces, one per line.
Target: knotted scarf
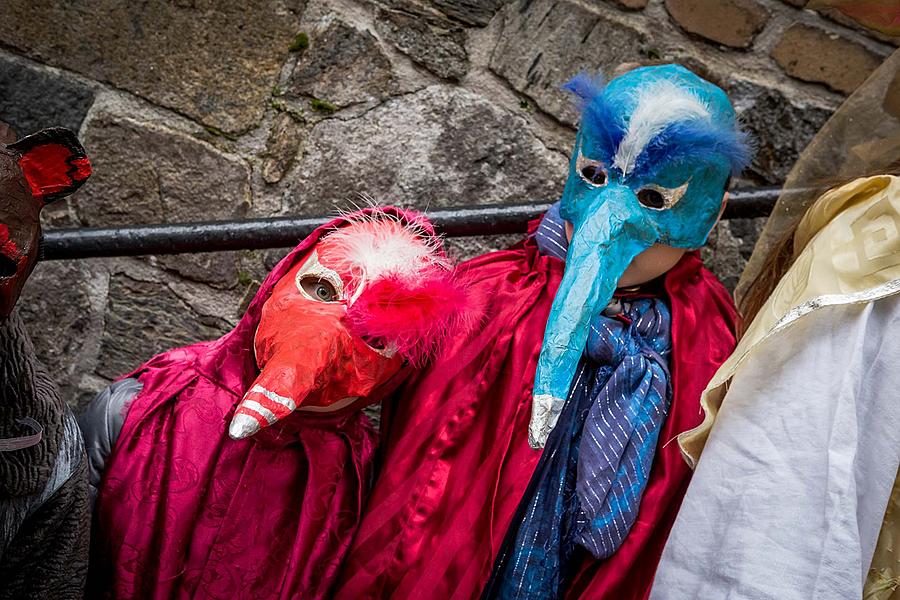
{"x":587,"y":487}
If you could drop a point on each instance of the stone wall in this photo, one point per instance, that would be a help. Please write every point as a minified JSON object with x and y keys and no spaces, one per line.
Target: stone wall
{"x":193,"y":109}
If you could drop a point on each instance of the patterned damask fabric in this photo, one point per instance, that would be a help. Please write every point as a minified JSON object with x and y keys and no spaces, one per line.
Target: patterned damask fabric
{"x":185,"y":511}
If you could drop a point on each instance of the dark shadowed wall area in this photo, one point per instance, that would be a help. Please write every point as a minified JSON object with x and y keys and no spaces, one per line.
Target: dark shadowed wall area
{"x":195,"y":110}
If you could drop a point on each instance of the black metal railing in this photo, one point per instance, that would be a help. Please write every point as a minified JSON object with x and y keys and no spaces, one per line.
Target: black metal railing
{"x":281,"y":232}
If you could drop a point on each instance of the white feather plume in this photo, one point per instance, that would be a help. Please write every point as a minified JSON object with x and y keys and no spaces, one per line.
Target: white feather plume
{"x":378,"y":244}
{"x":658,"y":105}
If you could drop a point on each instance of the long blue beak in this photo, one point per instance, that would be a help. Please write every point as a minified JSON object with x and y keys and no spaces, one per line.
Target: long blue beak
{"x":610,"y":229}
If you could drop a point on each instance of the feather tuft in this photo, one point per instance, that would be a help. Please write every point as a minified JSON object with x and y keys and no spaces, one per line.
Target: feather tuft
{"x":600,"y":121}
{"x":416,"y":316}
{"x":659,"y":105}
{"x":696,"y":141}
{"x":668,"y":124}
{"x":585,"y":88}
{"x":375,"y":244}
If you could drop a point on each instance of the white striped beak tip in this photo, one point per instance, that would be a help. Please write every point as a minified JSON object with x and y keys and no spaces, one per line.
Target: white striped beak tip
{"x":242,"y":426}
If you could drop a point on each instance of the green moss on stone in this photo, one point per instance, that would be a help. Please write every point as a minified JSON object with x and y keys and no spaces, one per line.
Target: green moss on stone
{"x":283,"y":107}
{"x":244,"y":278}
{"x":323,"y":106}
{"x":300,"y":43}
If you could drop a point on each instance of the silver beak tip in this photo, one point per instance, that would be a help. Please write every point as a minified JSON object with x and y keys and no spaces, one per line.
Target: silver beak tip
{"x":242,"y":426}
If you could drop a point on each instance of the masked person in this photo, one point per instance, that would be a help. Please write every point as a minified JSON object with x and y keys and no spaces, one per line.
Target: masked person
{"x":795,"y":493}
{"x":238,"y":468}
{"x":44,"y":516}
{"x":632,"y":329}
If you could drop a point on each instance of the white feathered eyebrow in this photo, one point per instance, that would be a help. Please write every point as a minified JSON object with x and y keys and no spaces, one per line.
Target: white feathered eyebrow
{"x":659,"y":104}
{"x":377,"y":245}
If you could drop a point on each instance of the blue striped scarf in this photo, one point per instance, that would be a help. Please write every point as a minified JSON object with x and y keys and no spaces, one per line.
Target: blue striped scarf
{"x":587,"y":488}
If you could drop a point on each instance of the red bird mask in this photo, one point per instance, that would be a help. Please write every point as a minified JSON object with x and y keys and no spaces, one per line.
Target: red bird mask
{"x":369,"y":298}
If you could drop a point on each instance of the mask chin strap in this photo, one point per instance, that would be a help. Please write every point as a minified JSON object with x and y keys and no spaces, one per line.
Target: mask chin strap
{"x":26,"y":441}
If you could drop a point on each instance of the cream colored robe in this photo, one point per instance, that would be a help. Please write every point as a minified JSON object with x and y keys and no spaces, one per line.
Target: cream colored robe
{"x":790,"y":495}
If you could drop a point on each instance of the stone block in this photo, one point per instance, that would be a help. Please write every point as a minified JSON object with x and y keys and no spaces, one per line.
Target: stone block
{"x":62,"y":305}
{"x":891,"y":102}
{"x":470,"y":12}
{"x":729,"y":22}
{"x":729,"y":247}
{"x":285,"y":140}
{"x":441,"y":146}
{"x":145,"y":318}
{"x":34,"y":97}
{"x":343,"y":65}
{"x":464,"y":248}
{"x":632,"y":4}
{"x":839,"y":17}
{"x":435,"y":43}
{"x":780,"y":127}
{"x":217,"y":269}
{"x":213,"y":61}
{"x":148,"y":174}
{"x":144,"y":173}
{"x":820,"y":56}
{"x":545,"y":43}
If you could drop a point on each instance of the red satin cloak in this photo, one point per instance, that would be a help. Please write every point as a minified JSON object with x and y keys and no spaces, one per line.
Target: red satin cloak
{"x":456,"y":456}
{"x":184,"y":511}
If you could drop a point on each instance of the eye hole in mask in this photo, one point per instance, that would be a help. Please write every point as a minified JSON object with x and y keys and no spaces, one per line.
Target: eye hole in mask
{"x":591,"y":171}
{"x":319,"y":289}
{"x":656,"y":197}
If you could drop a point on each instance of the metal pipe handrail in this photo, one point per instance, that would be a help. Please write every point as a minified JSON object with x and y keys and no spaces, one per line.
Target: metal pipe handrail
{"x":282,"y":232}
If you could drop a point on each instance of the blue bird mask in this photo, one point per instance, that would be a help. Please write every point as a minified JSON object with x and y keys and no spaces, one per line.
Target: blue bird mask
{"x":654,"y":152}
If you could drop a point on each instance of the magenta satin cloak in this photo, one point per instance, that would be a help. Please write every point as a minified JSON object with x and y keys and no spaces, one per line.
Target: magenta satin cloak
{"x":186,"y":512}
{"x":456,"y":459}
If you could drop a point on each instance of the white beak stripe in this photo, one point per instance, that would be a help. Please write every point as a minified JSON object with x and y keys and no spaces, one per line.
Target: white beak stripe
{"x":282,"y":400}
{"x":255,"y":406}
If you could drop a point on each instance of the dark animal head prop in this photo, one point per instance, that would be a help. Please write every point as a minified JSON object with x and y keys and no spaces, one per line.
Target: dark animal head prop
{"x":34,"y":171}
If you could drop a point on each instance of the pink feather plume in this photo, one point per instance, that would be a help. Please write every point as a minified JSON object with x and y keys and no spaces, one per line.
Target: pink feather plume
{"x":415,"y":314}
